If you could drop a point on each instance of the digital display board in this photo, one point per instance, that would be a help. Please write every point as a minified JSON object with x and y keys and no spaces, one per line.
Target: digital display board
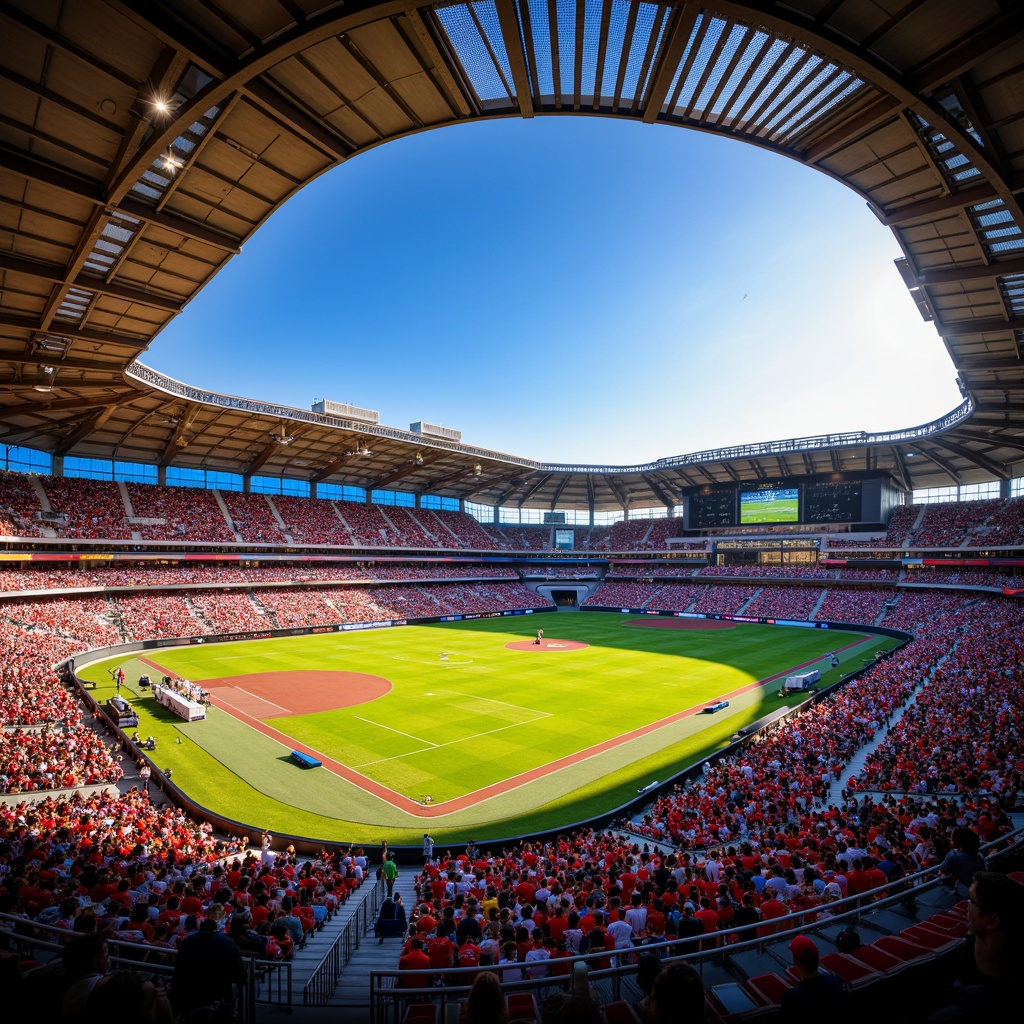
{"x":833,"y":502}
{"x":712,"y":507}
{"x":563,"y":540}
{"x":769,"y":503}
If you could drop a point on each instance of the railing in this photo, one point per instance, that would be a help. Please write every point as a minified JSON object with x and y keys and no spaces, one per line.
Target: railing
{"x":324,"y":980}
{"x":26,"y":938}
{"x":388,"y":1000}
{"x":170,"y":386}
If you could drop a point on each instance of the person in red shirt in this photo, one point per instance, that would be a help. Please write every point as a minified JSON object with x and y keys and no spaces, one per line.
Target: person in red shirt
{"x":441,"y":949}
{"x":412,"y":962}
{"x":468,"y":955}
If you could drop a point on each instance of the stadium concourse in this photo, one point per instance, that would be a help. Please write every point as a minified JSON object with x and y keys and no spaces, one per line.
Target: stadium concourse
{"x":777,"y":834}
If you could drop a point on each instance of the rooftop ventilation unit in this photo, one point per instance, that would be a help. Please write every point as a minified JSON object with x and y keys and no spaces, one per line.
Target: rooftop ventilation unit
{"x":345,"y":412}
{"x":433,"y":430}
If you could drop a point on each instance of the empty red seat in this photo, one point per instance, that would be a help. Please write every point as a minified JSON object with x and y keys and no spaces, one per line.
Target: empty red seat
{"x":946,"y":923}
{"x":878,"y":959}
{"x":930,"y":938}
{"x":903,"y":949}
{"x":853,"y":972}
{"x":767,"y":989}
{"x":522,"y":1006}
{"x":620,"y":1012}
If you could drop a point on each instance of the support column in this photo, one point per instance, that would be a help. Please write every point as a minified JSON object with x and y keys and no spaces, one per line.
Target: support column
{"x":58,"y":465}
{"x":161,"y":475}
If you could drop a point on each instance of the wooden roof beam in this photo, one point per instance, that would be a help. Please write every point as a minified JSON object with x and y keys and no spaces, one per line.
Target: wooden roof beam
{"x":927,"y":208}
{"x":659,"y":491}
{"x":681,"y":23}
{"x":407,"y":469}
{"x":509,"y":24}
{"x":56,"y":275}
{"x":65,"y":404}
{"x":969,"y":328}
{"x":974,"y":272}
{"x":979,"y":460}
{"x":287,"y":115}
{"x":88,"y":425}
{"x":965,"y":53}
{"x":90,"y":191}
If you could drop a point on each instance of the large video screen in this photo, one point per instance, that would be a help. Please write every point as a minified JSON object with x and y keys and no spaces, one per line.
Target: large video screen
{"x":769,"y":504}
{"x":838,"y":502}
{"x":712,"y":507}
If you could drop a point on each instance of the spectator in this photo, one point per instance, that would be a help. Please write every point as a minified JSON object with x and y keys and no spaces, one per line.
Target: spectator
{"x":820,"y":995}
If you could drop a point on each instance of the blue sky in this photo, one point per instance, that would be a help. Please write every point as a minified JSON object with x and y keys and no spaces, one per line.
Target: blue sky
{"x":573,"y":289}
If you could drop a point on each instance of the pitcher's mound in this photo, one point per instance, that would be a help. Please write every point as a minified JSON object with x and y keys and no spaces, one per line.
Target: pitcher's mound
{"x":546,"y":645}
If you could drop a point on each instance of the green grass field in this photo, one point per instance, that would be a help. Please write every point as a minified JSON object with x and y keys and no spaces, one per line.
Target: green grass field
{"x":777,"y":511}
{"x":450,"y":727}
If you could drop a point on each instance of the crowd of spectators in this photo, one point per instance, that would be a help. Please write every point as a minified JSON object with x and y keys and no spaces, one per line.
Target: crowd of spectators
{"x":145,"y":615}
{"x":311,"y":520}
{"x":724,"y":599}
{"x":92,"y":509}
{"x":54,"y":757}
{"x":189,"y":513}
{"x":950,"y":524}
{"x":965,"y":732}
{"x":900,"y":524}
{"x":119,"y":865}
{"x":854,"y":604}
{"x":253,"y":518}
{"x":784,"y":602}
{"x":781,"y":572}
{"x":624,"y":570}
{"x":19,"y":503}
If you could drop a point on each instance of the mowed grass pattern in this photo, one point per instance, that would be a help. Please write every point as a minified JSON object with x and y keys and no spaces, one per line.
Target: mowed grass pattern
{"x":482,"y":716}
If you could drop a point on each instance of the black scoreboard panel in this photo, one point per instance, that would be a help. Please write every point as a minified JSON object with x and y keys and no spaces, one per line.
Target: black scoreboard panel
{"x":869,"y":499}
{"x":832,"y":502}
{"x":712,"y":506}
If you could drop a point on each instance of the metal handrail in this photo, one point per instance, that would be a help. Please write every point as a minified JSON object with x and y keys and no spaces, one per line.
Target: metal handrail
{"x":385,"y":993}
{"x":324,"y":979}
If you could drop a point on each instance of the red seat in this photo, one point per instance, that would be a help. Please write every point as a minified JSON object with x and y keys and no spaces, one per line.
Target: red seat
{"x":854,"y":972}
{"x":620,"y":1012}
{"x":904,"y":950}
{"x":522,"y":1006}
{"x":947,"y":924}
{"x":878,"y":959}
{"x":930,"y":938}
{"x":767,"y":989}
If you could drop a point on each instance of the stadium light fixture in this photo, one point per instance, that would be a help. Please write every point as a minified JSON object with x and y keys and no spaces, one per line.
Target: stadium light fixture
{"x":477,"y":470}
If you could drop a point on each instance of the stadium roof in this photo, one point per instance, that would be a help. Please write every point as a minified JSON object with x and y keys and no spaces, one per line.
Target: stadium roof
{"x":142,"y":142}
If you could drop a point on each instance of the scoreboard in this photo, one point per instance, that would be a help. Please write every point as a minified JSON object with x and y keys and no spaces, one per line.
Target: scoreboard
{"x":866,"y":499}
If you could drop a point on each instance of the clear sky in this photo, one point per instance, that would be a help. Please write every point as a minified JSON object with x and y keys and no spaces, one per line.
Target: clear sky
{"x":573,"y":289}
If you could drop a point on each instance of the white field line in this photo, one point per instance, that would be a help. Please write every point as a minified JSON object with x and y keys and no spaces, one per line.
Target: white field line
{"x":451,"y":743}
{"x":255,"y":696}
{"x":407,"y":735}
{"x":518,"y":707}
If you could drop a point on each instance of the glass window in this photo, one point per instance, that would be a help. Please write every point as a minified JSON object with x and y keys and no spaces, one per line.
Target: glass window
{"x":329,"y":492}
{"x":25,"y":460}
{"x":349,"y":493}
{"x":297,"y":488}
{"x":265,"y":485}
{"x":90,"y":469}
{"x":430,"y":501}
{"x":608,"y":518}
{"x":178,"y":477}
{"x":482,"y":513}
{"x":979,"y":492}
{"x":136,"y":472}
{"x":1017,"y":487}
{"x":223,"y":481}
